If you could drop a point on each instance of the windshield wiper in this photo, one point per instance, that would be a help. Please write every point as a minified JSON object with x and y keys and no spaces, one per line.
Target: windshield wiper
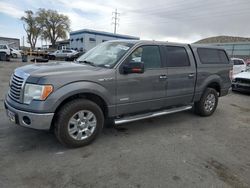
{"x":87,"y":62}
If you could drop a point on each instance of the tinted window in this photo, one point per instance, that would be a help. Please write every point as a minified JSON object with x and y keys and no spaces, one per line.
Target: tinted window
{"x":149,"y":55}
{"x":212,"y":56}
{"x":177,"y":56}
{"x":3,"y":47}
{"x":92,"y":39}
{"x":238,"y":62}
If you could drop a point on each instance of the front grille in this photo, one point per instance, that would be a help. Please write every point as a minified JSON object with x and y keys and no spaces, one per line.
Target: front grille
{"x":16,"y":87}
{"x":242,"y":80}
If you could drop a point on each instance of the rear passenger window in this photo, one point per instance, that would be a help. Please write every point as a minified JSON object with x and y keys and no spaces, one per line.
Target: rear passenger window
{"x":212,"y":56}
{"x":177,"y":56}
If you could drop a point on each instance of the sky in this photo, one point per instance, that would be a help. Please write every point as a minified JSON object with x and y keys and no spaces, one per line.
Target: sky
{"x":183,"y":21}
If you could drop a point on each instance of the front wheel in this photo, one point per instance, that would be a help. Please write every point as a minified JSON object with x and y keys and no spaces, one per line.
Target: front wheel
{"x":78,"y":123}
{"x":208,"y":103}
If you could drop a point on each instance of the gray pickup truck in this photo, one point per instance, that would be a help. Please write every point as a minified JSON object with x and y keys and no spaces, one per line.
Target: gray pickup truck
{"x":114,"y":83}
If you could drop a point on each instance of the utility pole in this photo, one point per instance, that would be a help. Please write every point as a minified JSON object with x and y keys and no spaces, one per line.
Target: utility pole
{"x":115,"y":19}
{"x":23,"y":41}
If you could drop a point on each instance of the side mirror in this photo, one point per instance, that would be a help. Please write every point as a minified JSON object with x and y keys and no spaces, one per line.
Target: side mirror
{"x":133,"y":67}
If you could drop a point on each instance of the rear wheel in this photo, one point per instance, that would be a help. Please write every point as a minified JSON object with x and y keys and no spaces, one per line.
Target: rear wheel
{"x":78,"y":123}
{"x":208,"y":103}
{"x":52,"y":57}
{"x":14,"y":55}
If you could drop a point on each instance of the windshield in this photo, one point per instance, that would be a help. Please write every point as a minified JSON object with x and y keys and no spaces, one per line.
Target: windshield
{"x":106,"y":54}
{"x":3,"y":46}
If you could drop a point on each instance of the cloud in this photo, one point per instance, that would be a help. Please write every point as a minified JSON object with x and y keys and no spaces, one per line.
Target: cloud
{"x":171,"y":20}
{"x":11,"y":10}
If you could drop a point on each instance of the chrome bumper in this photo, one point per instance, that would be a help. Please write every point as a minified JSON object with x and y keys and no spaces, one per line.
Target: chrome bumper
{"x":37,"y":120}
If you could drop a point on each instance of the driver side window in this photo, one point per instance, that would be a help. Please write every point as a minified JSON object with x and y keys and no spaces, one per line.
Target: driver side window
{"x":149,"y":55}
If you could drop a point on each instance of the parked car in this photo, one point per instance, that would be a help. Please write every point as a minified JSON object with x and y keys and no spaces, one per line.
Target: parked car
{"x":239,"y":65}
{"x":62,"y":54}
{"x":117,"y":82}
{"x":5,"y":52}
{"x":241,"y":81}
{"x":15,"y":53}
{"x":248,"y":62}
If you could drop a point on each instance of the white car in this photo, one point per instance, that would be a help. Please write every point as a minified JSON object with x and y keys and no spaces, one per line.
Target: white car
{"x":5,"y":48}
{"x":4,"y":52}
{"x":62,"y":54}
{"x":15,"y":53}
{"x":241,"y":81}
{"x":239,"y":65}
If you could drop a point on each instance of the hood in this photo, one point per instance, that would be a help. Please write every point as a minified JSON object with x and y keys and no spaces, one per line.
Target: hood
{"x":61,"y":73}
{"x":245,"y":75}
{"x":57,"y":68}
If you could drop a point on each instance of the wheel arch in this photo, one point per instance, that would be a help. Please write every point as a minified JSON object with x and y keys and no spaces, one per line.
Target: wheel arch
{"x":82,"y":95}
{"x":214,"y":85}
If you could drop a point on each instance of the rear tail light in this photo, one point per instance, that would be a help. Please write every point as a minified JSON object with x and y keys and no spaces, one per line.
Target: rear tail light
{"x":231,"y":74}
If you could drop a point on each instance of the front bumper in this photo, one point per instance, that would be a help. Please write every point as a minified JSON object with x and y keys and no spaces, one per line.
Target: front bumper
{"x":241,"y":87}
{"x":40,"y":121}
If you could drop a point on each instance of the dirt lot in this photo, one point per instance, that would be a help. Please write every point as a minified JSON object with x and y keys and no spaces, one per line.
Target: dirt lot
{"x":178,"y":150}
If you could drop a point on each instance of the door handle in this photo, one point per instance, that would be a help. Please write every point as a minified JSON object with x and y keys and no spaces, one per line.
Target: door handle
{"x":163,"y":77}
{"x":191,"y":75}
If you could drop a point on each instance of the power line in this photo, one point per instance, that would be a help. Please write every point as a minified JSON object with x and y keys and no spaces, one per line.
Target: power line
{"x":115,"y":19}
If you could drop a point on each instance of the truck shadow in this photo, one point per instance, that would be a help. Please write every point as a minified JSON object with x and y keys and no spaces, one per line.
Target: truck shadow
{"x":152,"y":124}
{"x":15,"y":139}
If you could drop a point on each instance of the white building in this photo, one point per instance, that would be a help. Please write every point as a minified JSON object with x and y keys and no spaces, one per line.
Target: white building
{"x":12,"y":42}
{"x":85,"y":39}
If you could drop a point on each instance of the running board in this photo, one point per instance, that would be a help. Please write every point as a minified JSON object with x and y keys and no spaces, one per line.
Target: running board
{"x":150,"y":115}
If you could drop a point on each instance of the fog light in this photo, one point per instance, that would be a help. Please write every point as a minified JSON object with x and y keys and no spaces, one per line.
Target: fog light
{"x":26,"y":120}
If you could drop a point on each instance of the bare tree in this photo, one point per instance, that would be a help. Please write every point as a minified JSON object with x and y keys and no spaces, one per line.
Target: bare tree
{"x":32,"y":27}
{"x":55,"y":25}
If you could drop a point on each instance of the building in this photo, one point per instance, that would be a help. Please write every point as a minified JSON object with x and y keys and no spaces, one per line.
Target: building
{"x":235,"y":46}
{"x":63,"y":44}
{"x":84,"y":40}
{"x":12,"y":42}
{"x":239,"y":49}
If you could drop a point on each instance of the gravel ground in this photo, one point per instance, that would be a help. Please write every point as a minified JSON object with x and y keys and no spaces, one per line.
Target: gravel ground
{"x":178,"y":150}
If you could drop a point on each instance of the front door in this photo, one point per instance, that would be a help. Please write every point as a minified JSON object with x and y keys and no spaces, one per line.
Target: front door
{"x":137,"y":92}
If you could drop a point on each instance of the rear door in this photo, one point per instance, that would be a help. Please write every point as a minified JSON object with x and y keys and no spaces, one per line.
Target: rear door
{"x":181,"y":75}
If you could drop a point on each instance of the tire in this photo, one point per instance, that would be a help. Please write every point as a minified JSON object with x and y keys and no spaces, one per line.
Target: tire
{"x":52,"y":57}
{"x":233,"y":88}
{"x":69,"y":113}
{"x":204,"y":107}
{"x":14,"y":55}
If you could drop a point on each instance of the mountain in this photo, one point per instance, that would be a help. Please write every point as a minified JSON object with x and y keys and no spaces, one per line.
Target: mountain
{"x":223,"y":39}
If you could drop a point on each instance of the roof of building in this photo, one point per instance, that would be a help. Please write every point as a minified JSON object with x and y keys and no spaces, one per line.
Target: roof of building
{"x":223,"y":39}
{"x":8,"y":38}
{"x":62,"y":41}
{"x":103,"y":33}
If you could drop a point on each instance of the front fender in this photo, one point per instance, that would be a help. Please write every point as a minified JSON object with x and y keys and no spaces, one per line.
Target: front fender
{"x":76,"y":88}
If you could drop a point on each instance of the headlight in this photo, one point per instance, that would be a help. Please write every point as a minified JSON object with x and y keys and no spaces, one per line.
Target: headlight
{"x":37,"y":92}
